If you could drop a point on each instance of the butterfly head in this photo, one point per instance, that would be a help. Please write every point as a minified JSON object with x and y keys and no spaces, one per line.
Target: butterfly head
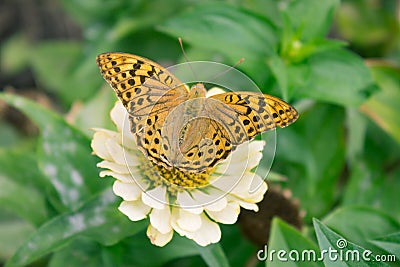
{"x":197,"y":90}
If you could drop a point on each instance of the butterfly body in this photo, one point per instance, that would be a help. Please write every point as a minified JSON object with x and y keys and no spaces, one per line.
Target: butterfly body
{"x":197,"y":90}
{"x":180,"y":128}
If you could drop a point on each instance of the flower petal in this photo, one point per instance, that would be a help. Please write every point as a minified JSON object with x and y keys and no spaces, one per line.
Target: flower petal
{"x":255,"y":153}
{"x":188,"y":221}
{"x":128,"y":191}
{"x":244,"y":158}
{"x":244,"y":204}
{"x":228,"y":215}
{"x":112,"y":166}
{"x":215,"y":91}
{"x":135,"y":210}
{"x":109,"y":133}
{"x":225,"y":183}
{"x":258,"y":193}
{"x":211,"y":200}
{"x":160,"y":220}
{"x":118,"y":114}
{"x":98,"y":145}
{"x":156,"y":197}
{"x":116,"y":151}
{"x":120,"y":117}
{"x":257,"y":145}
{"x":251,"y":187}
{"x":126,"y":178}
{"x":186,"y":202}
{"x":157,"y":238}
{"x":248,"y":206}
{"x":208,"y":233}
{"x":232,"y":166}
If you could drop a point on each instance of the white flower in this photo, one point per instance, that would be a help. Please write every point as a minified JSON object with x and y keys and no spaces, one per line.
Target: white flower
{"x":193,"y":212}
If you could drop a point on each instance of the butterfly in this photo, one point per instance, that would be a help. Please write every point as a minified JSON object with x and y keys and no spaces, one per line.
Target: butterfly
{"x":178,"y":127}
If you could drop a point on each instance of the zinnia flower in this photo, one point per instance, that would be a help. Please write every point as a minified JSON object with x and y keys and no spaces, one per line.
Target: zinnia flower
{"x":190,"y":204}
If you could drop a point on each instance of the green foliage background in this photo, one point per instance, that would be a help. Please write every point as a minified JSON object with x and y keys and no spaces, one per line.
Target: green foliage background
{"x":336,"y":62}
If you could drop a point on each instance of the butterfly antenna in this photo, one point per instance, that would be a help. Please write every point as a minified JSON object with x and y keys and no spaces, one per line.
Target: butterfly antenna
{"x":229,"y":69}
{"x":186,"y":58}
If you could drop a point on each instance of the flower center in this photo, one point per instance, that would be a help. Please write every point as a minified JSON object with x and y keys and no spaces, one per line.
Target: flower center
{"x":174,"y":179}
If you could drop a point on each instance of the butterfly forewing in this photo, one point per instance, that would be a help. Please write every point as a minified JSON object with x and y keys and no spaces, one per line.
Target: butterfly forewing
{"x":148,"y":92}
{"x":139,"y":82}
{"x":253,"y":113}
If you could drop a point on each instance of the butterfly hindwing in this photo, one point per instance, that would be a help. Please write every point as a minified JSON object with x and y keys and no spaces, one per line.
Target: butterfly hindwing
{"x":204,"y":143}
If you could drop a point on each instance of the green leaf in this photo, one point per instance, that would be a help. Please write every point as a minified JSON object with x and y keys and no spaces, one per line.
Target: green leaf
{"x":315,"y":155}
{"x":20,"y":180}
{"x":383,"y":107}
{"x":299,"y":251}
{"x":14,"y":54}
{"x":328,"y":240}
{"x":12,"y":235}
{"x":312,"y":22}
{"x":236,"y":247}
{"x":85,"y":253}
{"x":98,"y":219}
{"x":65,"y":70}
{"x":65,"y":154}
{"x":14,"y":198}
{"x":95,"y":113}
{"x":279,"y":70}
{"x":9,"y":135}
{"x":88,"y":12}
{"x":219,"y":26}
{"x":337,"y":76}
{"x":133,"y":249}
{"x":356,"y":132}
{"x":295,"y":51}
{"x":53,"y":63}
{"x":369,"y":186}
{"x":23,"y":171}
{"x":302,"y":36}
{"x":380,"y":149}
{"x":360,"y":224}
{"x":268,"y":9}
{"x":389,"y":243}
{"x":121,"y":17}
{"x":373,"y":32}
{"x":213,"y":255}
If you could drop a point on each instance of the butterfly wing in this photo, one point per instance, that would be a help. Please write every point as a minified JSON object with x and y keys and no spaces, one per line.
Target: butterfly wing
{"x":224,"y":122}
{"x":201,"y":144}
{"x":231,"y":119}
{"x":148,"y":92}
{"x":248,"y":114}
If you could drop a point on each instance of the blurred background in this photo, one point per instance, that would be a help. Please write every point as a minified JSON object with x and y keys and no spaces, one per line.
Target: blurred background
{"x":338,"y":63}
